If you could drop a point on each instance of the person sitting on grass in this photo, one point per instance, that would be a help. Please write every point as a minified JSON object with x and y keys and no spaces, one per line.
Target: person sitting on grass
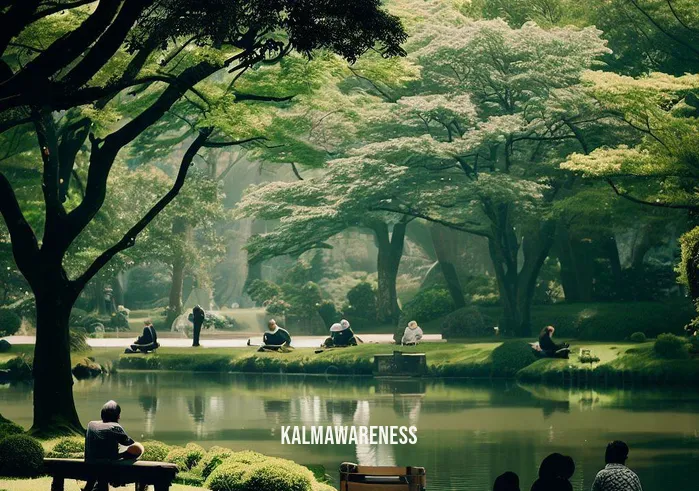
{"x":616,"y":476}
{"x":148,"y":341}
{"x":412,"y":334}
{"x":276,"y":338}
{"x":549,"y":347}
{"x":341,"y":336}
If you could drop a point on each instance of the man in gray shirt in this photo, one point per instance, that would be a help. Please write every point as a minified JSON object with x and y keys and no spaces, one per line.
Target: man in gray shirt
{"x":104,"y":438}
{"x":616,"y":476}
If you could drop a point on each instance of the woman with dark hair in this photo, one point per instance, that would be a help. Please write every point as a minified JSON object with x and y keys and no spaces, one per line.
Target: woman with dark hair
{"x":549,"y":347}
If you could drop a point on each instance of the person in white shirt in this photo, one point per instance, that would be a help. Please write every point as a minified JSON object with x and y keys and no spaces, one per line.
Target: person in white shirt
{"x":412,"y":334}
{"x":616,"y":476}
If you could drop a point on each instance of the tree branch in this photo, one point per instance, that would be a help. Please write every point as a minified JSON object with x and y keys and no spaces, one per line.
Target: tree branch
{"x":296,"y":171}
{"x":129,"y":239}
{"x":25,"y":246}
{"x":657,"y":204}
{"x":210,"y":144}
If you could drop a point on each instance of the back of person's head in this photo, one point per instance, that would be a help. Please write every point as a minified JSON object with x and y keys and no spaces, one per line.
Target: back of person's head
{"x":147,"y":322}
{"x":412,"y":325}
{"x":111,"y":412}
{"x":507,"y":481}
{"x":617,"y":452}
{"x":567,"y":467}
{"x":552,"y":466}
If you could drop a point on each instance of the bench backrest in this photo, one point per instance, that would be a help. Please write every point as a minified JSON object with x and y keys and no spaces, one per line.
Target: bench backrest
{"x":140,"y":471}
{"x":355,"y":477}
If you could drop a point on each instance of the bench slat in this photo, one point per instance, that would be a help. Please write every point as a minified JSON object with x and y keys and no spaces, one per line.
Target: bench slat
{"x":142,"y":471}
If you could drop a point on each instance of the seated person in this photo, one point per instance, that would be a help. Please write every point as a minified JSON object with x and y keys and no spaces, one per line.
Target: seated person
{"x":148,"y":341}
{"x":106,"y":440}
{"x":549,"y":347}
{"x":412,"y":334}
{"x":555,"y":472}
{"x":275,"y":338}
{"x":341,"y":335}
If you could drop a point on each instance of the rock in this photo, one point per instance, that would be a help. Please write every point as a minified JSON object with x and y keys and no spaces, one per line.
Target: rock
{"x":87,"y":368}
{"x":5,"y":346}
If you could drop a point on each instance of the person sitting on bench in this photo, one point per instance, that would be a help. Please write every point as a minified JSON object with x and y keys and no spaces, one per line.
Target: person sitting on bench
{"x":103,"y":439}
{"x":549,"y":347}
{"x":341,"y":335}
{"x":412,"y":334}
{"x":148,"y":341}
{"x":275,"y":338}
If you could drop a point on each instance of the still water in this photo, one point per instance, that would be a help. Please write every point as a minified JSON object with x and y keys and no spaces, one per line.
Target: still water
{"x":468,"y":432}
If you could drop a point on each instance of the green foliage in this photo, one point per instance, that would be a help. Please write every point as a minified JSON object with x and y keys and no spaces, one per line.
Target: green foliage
{"x":213,"y":458}
{"x":465,"y":322}
{"x":510,"y":357}
{"x":361,"y":302}
{"x":5,"y":346}
{"x":429,"y":304}
{"x":9,"y":322}
{"x":329,"y":313}
{"x":68,"y":448}
{"x":78,"y":340}
{"x":671,"y":347}
{"x":638,"y":337}
{"x":268,"y":474}
{"x":185,"y":458}
{"x":303,"y":301}
{"x":8,"y":428}
{"x":262,"y":292}
{"x":77,"y":317}
{"x":155,"y":451}
{"x":21,"y":456}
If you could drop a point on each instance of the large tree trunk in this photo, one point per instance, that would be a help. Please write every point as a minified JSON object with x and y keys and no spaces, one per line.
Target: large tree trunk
{"x":387,"y":263}
{"x":576,"y":257}
{"x":54,"y":407}
{"x":181,"y":232}
{"x":445,"y":249}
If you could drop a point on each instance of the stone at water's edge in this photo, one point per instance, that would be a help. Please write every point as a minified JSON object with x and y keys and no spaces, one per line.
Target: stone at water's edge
{"x":87,"y":368}
{"x":402,"y":364}
{"x":5,"y":346}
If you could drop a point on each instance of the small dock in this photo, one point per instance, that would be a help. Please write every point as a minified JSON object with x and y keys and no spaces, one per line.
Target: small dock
{"x":400,"y":364}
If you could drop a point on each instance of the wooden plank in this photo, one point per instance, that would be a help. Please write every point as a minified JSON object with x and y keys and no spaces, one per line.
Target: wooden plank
{"x":381,"y":470}
{"x":124,"y":471}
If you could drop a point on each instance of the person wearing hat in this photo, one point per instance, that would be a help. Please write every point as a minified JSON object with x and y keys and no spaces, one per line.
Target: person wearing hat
{"x":412,"y":334}
{"x":341,"y":335}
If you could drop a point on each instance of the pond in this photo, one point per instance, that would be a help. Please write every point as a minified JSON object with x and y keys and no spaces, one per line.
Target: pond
{"x":468,"y":432}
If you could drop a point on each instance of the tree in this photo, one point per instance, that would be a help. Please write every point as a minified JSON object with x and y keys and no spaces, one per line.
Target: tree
{"x":82,"y":63}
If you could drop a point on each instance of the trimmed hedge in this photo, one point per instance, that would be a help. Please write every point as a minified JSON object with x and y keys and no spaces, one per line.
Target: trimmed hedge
{"x":185,"y":458}
{"x":155,"y":451}
{"x":9,"y":322}
{"x":68,"y":448}
{"x":21,"y":456}
{"x":510,"y":357}
{"x":213,"y":458}
{"x":8,"y":428}
{"x":638,"y":337}
{"x":671,"y":347}
{"x":427,"y":305}
{"x":270,"y":474}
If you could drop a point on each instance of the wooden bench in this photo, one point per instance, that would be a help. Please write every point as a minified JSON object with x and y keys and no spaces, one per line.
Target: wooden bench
{"x":355,"y":477}
{"x":159,"y":474}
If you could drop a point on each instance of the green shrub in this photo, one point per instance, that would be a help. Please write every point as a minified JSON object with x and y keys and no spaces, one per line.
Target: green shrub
{"x":213,"y":458}
{"x":428,"y":305}
{"x":328,"y":312}
{"x":189,"y":479}
{"x":185,"y":458}
{"x":78,"y":340}
{"x":9,"y":322}
{"x":5,"y":346}
{"x":8,"y":428}
{"x":247,"y":457}
{"x":510,"y":357}
{"x":694,"y":344}
{"x":67,"y":448}
{"x":155,"y":451}
{"x":77,"y":317}
{"x":638,"y":337}
{"x":20,"y":367}
{"x":321,"y":486}
{"x":229,"y":476}
{"x":21,"y":456}
{"x":278,"y":475}
{"x":466,"y":322}
{"x":671,"y":347}
{"x":261,"y":291}
{"x":361,"y":302}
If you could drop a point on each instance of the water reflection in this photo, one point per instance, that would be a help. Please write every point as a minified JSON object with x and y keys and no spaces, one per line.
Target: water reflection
{"x":468,"y":432}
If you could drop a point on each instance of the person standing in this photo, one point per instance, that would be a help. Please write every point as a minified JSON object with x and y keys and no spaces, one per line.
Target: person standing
{"x":198,"y":317}
{"x":616,"y":476}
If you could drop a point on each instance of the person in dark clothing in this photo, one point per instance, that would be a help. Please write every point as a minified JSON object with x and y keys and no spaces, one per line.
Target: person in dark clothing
{"x":104,"y":438}
{"x":549,"y":347}
{"x":341,"y":335}
{"x":198,"y":317}
{"x":555,"y":472}
{"x":275,"y":338}
{"x":509,"y":481}
{"x":148,"y":341}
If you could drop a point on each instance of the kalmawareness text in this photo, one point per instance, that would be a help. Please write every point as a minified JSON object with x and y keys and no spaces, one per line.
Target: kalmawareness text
{"x":349,"y":435}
